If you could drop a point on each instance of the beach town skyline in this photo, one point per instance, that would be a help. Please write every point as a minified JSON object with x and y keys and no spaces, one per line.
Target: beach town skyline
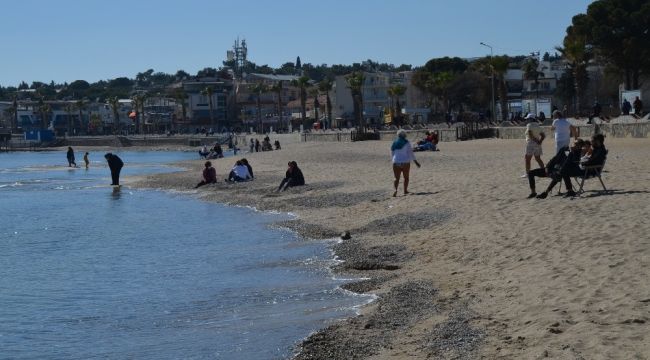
{"x":94,"y":41}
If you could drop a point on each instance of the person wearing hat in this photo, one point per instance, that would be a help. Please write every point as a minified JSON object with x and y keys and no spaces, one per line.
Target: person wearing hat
{"x":402,"y":155}
{"x":534,"y":138}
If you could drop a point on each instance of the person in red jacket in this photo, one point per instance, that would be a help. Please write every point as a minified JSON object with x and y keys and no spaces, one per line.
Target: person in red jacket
{"x":209,"y":175}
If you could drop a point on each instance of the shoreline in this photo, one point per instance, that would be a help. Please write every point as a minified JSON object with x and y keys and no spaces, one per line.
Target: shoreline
{"x":454,"y":274}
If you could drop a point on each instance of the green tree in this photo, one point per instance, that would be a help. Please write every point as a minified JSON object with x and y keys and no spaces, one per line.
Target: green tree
{"x":618,"y":32}
{"x":209,"y":91}
{"x":81,"y":106}
{"x":578,"y":54}
{"x":138,"y":104}
{"x":259,"y":89}
{"x":499,"y":65}
{"x":277,"y":89}
{"x":302,"y":83}
{"x":114,"y":103}
{"x":325,"y":87}
{"x":395,"y":92}
{"x":181,"y":97}
{"x":355,"y":82}
{"x":530,"y":67}
{"x":69,"y":108}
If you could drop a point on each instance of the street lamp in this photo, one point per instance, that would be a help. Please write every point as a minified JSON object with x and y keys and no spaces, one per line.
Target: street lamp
{"x":492,"y":79}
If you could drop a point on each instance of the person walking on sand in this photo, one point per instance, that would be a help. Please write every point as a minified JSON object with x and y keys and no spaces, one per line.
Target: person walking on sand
{"x":70,"y":156}
{"x":115,"y":164}
{"x":209,"y":175}
{"x":534,"y":138}
{"x":563,"y":131}
{"x":402,"y":154}
{"x":86,"y":160}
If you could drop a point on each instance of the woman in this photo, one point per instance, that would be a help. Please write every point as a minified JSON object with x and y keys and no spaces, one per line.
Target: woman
{"x":209,"y":175}
{"x":402,"y":154}
{"x":70,"y":156}
{"x":293,"y":177}
{"x":534,"y":138}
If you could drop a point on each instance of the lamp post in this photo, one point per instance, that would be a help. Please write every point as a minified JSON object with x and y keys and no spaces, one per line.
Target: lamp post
{"x":492,"y":80}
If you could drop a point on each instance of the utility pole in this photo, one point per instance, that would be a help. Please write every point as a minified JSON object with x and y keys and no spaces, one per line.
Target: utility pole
{"x":492,"y":81}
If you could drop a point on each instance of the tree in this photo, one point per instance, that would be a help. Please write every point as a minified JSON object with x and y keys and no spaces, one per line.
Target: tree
{"x":298,"y":65}
{"x":618,"y":32}
{"x":500,"y":67}
{"x":181,"y":97}
{"x":277,"y":89}
{"x":325,"y":87}
{"x":81,"y":106}
{"x":530,"y":67}
{"x":314,"y":93}
{"x":259,"y":89}
{"x":302,"y":83}
{"x":209,"y":91}
{"x":138,"y":104}
{"x":578,"y":54}
{"x":395,"y":92}
{"x":114,"y":103}
{"x":69,"y":108}
{"x":355,"y":82}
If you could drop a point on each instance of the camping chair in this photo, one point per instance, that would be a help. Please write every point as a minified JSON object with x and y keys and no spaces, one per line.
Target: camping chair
{"x":591,"y":172}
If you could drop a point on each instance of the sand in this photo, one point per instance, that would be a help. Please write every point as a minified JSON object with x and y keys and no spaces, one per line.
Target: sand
{"x":465,"y":266}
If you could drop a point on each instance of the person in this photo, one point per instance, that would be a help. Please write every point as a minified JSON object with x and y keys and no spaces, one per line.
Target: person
{"x":551,"y":170}
{"x":252,"y":146}
{"x":595,"y":111}
{"x":563,"y":131}
{"x":250,"y":168}
{"x":115,"y":164}
{"x":638,"y":107}
{"x":86,"y":160}
{"x":402,"y":155}
{"x":204,"y":152}
{"x":266,"y":145}
{"x":534,"y":138}
{"x":257,"y":145}
{"x":239,"y":173}
{"x":277,"y":145}
{"x":293,"y":177}
{"x":70,"y":156}
{"x":626,"y":107}
{"x":209,"y":175}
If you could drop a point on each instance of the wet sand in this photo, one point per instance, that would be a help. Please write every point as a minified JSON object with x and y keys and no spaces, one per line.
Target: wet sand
{"x":465,"y":266}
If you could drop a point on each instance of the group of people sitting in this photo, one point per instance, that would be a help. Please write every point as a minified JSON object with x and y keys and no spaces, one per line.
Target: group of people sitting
{"x":214,"y":153}
{"x":429,"y":143}
{"x":243,"y":171}
{"x":570,"y":162}
{"x":265,"y":145}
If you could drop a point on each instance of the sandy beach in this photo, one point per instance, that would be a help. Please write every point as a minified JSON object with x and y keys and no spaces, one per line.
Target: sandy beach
{"x":465,"y":266}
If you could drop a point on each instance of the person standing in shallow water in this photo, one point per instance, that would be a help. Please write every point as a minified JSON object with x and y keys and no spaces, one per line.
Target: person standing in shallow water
{"x":70,"y":156}
{"x":86,"y":160}
{"x":115,"y":164}
{"x":402,"y":155}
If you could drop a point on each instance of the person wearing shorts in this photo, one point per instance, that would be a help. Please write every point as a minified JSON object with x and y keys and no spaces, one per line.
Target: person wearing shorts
{"x":534,"y":139}
{"x":402,"y":155}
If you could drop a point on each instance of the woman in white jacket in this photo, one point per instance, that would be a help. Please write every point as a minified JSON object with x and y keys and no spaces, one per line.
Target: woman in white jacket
{"x":402,"y":154}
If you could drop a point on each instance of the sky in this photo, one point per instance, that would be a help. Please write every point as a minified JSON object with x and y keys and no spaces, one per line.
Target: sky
{"x":67,"y":40}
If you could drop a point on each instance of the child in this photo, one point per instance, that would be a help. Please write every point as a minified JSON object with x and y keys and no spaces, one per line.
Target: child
{"x":86,"y":160}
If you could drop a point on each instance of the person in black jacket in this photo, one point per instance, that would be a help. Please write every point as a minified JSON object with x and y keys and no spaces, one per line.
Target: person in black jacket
{"x":293,"y":177}
{"x":115,"y":164}
{"x":552,"y":169}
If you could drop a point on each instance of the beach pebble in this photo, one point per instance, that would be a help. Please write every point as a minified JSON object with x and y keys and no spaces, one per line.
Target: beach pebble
{"x":345,"y":235}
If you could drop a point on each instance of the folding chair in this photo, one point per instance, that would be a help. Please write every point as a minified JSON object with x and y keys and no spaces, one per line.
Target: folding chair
{"x":593,"y":171}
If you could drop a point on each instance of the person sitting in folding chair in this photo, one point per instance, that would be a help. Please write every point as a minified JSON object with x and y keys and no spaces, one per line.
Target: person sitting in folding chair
{"x":593,"y":165}
{"x":570,"y":168}
{"x":552,"y":169}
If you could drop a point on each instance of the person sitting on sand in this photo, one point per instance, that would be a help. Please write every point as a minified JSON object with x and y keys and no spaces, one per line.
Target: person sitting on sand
{"x":426,"y":144}
{"x":209,"y":175}
{"x":277,"y":145}
{"x":293,"y":177}
{"x":239,"y":173}
{"x":204,"y":152}
{"x":266,"y":145}
{"x":86,"y":160}
{"x":250,"y":168}
{"x":70,"y":156}
{"x":402,"y":155}
{"x":534,"y":138}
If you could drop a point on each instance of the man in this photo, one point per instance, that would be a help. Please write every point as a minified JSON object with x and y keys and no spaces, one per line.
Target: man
{"x":626,"y":107}
{"x":115,"y":164}
{"x":563,"y":131}
{"x":552,"y":169}
{"x":596,"y":110}
{"x":638,"y":107}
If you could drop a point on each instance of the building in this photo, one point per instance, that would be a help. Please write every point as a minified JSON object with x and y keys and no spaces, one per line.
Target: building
{"x":198,"y":111}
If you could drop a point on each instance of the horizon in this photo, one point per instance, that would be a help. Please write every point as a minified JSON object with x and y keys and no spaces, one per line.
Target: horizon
{"x":114,"y":41}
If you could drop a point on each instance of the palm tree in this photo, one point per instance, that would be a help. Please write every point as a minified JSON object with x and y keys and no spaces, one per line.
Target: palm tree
{"x":355,"y":84}
{"x":14,"y":109}
{"x":277,"y":89}
{"x":499,"y":65}
{"x":531,"y":73}
{"x":578,"y":54}
{"x":395,"y":92}
{"x":441,"y":82}
{"x":81,"y":106}
{"x":258,"y":89}
{"x":313,"y":92}
{"x":325,"y":87}
{"x":138,"y":104}
{"x":114,"y":103}
{"x":302,"y":83}
{"x":209,"y":91}
{"x":69,"y":108}
{"x":181,"y":96}
{"x":44,"y":109}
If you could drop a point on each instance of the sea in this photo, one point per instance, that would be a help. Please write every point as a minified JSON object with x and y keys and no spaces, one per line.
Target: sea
{"x":88,"y":273}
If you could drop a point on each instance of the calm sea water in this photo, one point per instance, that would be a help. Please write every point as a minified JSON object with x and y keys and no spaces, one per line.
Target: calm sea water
{"x":85,"y":273}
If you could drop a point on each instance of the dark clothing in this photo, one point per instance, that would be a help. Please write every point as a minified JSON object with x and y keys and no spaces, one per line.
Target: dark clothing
{"x":70,"y":156}
{"x":541,"y":172}
{"x":293,"y":177}
{"x":626,"y":107}
{"x":598,"y":156}
{"x":115,"y":164}
{"x":250,"y":170}
{"x":638,"y":107}
{"x":209,"y":177}
{"x":570,"y":167}
{"x":552,"y":169}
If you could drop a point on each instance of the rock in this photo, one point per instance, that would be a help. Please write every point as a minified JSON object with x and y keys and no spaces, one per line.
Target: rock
{"x":346,"y":235}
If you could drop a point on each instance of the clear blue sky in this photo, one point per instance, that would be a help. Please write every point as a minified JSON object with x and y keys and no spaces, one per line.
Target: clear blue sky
{"x":66,"y":40}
